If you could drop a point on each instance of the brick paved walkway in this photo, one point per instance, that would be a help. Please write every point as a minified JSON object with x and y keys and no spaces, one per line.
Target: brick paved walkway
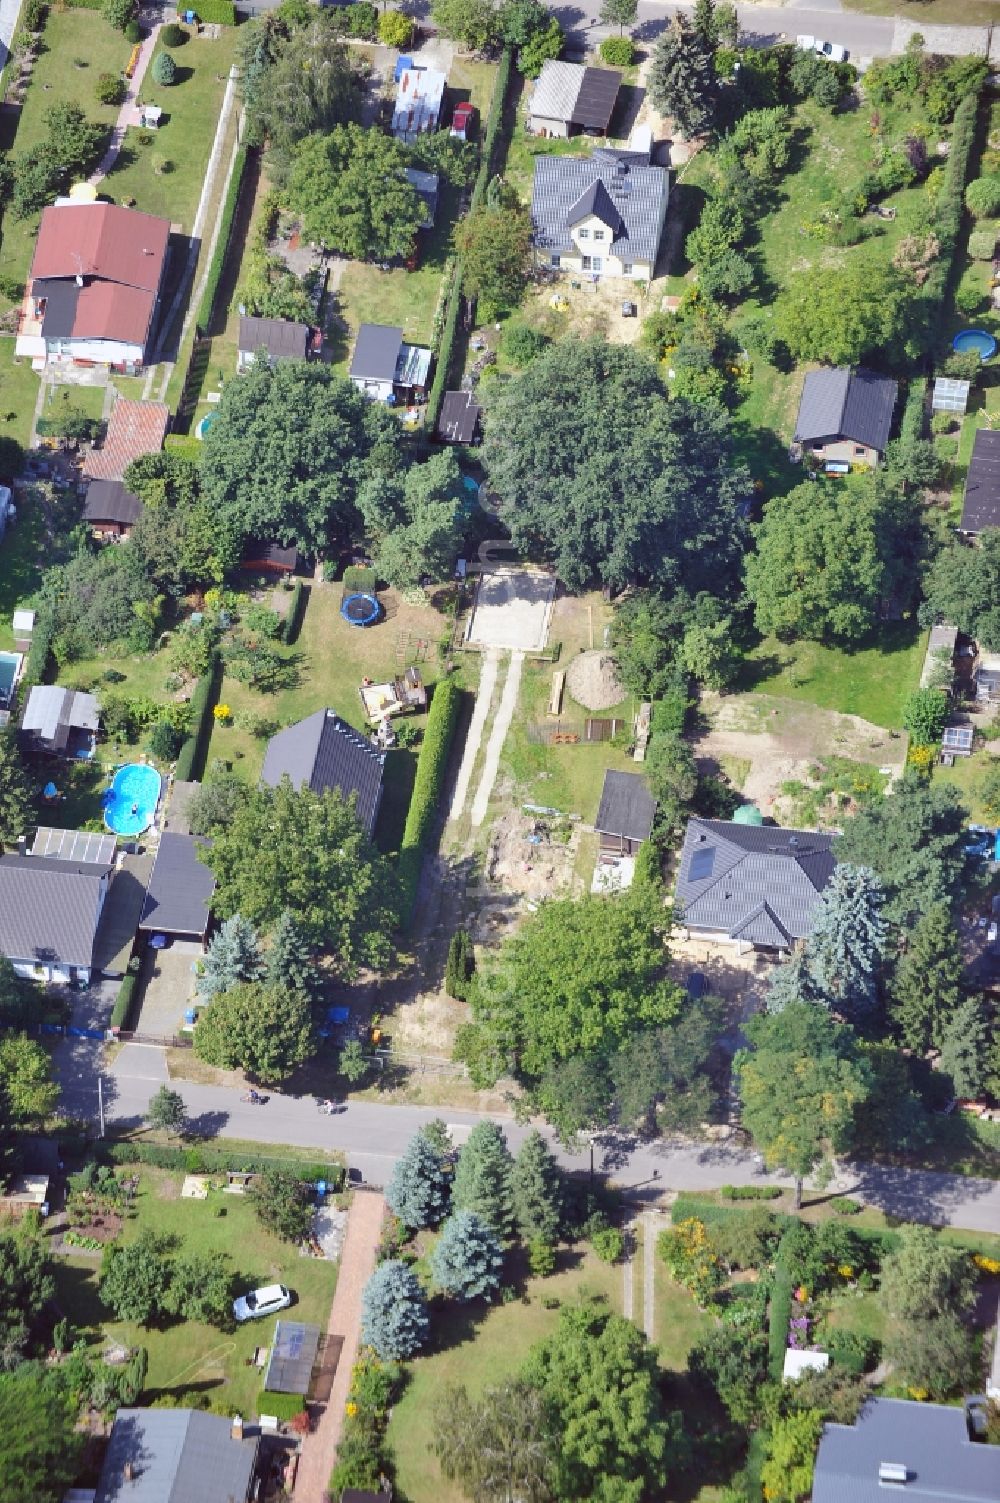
{"x":357,"y":1261}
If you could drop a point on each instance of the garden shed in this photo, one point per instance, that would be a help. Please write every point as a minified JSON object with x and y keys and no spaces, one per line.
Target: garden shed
{"x":292,"y":1359}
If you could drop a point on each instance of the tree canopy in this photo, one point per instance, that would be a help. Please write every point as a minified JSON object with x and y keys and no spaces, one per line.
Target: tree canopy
{"x":467,"y":1258}
{"x":963,"y":587}
{"x":610,"y":480}
{"x":42,"y":1448}
{"x":290,"y":445}
{"x":264,"y":1030}
{"x":27,"y":1287}
{"x":914,"y":841}
{"x":682,"y":81}
{"x":498,"y":1447}
{"x":414,"y":520}
{"x":925,"y":988}
{"x":494,"y":242}
{"x":297,"y":81}
{"x":840,"y":314}
{"x":17,"y":804}
{"x":419,"y":1189}
{"x":353,"y":195}
{"x":394,"y":1320}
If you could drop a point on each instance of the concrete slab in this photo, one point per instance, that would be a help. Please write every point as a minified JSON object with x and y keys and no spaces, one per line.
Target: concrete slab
{"x":169,"y":987}
{"x":513,"y":609}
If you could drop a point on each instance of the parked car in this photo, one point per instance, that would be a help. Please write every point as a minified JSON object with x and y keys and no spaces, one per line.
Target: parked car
{"x":260,"y":1302}
{"x":461,"y":121}
{"x":832,"y":51}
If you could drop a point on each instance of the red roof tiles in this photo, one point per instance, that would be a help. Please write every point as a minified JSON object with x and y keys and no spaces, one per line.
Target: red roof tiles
{"x":101,"y":240}
{"x":135,"y":428}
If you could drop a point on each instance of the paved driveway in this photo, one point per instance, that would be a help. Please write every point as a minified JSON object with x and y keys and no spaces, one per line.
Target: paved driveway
{"x":169,"y":987}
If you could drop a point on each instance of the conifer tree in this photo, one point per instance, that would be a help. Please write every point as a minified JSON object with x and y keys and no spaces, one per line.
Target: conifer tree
{"x":682,"y":81}
{"x":16,"y":801}
{"x":925,"y":988}
{"x":537,"y":1191}
{"x":467,"y":1257}
{"x":419,"y":1191}
{"x":289,"y":959}
{"x":848,"y":941}
{"x":394,"y":1320}
{"x":965,"y":1049}
{"x":233,"y":955}
{"x":483,"y":1178}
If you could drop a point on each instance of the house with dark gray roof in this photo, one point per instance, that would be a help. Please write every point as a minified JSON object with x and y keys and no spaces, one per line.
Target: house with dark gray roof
{"x":981,"y":506}
{"x":625,"y":814}
{"x":110,"y":510}
{"x":602,"y":214}
{"x":177,"y":1456}
{"x":845,"y":416}
{"x":386,"y":368}
{"x":50,"y":909}
{"x":180,"y":890}
{"x":751,"y":885}
{"x":323,"y":752}
{"x":277,"y":338}
{"x":459,"y":419}
{"x":568,"y":98}
{"x":61,"y":720}
{"x":924,"y":1453}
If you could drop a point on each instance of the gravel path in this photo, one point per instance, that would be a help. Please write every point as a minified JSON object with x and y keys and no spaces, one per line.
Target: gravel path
{"x":357,"y":1262}
{"x":498,"y":735}
{"x":488,"y":668}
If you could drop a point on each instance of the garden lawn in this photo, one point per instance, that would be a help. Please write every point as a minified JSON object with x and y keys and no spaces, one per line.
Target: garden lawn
{"x":966,"y":776}
{"x":874,"y":681}
{"x":23,"y":548}
{"x":187,"y":1358}
{"x":476,"y":1348}
{"x":932,"y":12}
{"x":191,"y":106}
{"x":473,"y":81}
{"x":679,"y":1323}
{"x":18,"y":395}
{"x":77,"y":46}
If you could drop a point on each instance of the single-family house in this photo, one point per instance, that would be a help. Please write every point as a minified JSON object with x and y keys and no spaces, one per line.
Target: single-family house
{"x":845,"y":415}
{"x":94,"y":287}
{"x":922,"y":1452}
{"x":427,"y":186}
{"x":386,"y":368}
{"x":134,"y":430}
{"x":277,"y":338}
{"x":178,"y":898}
{"x":625,"y":814}
{"x":62,"y":721}
{"x":110,"y":510}
{"x":601,"y":215}
{"x":177,"y":1456}
{"x":49,"y":912}
{"x":981,"y":506}
{"x":568,"y":98}
{"x":323,"y":752}
{"x":419,"y":96}
{"x":458,"y":422}
{"x":751,"y":885}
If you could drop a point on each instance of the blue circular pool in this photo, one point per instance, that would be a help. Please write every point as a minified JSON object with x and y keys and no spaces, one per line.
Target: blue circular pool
{"x":130,"y":802}
{"x":975,"y":342}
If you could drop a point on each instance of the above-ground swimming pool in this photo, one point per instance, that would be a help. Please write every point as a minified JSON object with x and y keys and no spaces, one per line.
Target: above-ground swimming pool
{"x":975,"y":342}
{"x":130,"y":802}
{"x":10,"y":666}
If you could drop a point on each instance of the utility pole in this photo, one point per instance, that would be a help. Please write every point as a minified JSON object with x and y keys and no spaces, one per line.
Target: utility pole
{"x":100,"y":1102}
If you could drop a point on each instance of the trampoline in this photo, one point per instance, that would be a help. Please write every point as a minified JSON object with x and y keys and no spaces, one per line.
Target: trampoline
{"x":975,"y":342}
{"x":360,"y":609}
{"x":130,"y":802}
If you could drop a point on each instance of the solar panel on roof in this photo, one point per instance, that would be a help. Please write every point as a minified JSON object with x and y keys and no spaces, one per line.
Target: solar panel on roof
{"x":701,"y":865}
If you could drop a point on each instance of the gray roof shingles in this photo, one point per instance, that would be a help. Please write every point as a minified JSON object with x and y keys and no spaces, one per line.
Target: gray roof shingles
{"x":322,"y":752}
{"x":627,"y":807}
{"x":280,"y":337}
{"x":981,"y":507}
{"x":51,"y":706}
{"x":376,"y":352}
{"x":638,"y":196}
{"x":595,"y":103}
{"x":180,"y":888}
{"x":840,"y":403}
{"x":931,"y":1440}
{"x":109,"y":501}
{"x":575,"y":94}
{"x":49,"y":909}
{"x":175,"y":1456}
{"x":752,"y":882}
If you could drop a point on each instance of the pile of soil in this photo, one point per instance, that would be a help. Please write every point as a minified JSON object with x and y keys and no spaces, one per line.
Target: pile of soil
{"x":593,"y":681}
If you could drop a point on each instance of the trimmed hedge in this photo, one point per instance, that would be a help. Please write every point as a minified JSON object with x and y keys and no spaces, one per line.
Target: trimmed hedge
{"x":191,"y":757}
{"x":750,"y":1192}
{"x":431,"y":765}
{"x":293,"y":617}
{"x":207,"y":306}
{"x":40,"y":651}
{"x":216,"y":12}
{"x":124,"y":1000}
{"x":209,"y":1160}
{"x":779,"y":1315}
{"x":284,"y":1405}
{"x":947,"y":224}
{"x":84,"y":4}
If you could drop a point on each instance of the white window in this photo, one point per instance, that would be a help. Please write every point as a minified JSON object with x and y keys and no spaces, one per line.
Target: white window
{"x":598,"y":234}
{"x":555,"y":260}
{"x":584,"y":234}
{"x":597,"y":264}
{"x":860,"y":451}
{"x":626,"y":268}
{"x":586,"y":263}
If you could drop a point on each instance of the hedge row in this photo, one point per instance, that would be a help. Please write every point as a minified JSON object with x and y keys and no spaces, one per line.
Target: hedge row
{"x":84,"y":4}
{"x":191,"y":758}
{"x":780,"y":1314}
{"x":216,"y":12}
{"x":40,"y":651}
{"x":284,"y":1406}
{"x":124,"y":1000}
{"x":207,"y":1160}
{"x":948,"y":218}
{"x":207,"y":306}
{"x":431,"y":765}
{"x":293,"y":616}
{"x":750,"y":1192}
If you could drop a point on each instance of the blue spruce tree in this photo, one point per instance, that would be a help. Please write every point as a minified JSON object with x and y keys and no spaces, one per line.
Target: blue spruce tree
{"x":394,"y":1321}
{"x":232,"y":956}
{"x":467,"y":1258}
{"x":419,"y":1191}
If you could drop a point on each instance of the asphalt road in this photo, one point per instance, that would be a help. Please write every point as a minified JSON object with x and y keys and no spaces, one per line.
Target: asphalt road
{"x":373,"y":1136}
{"x":863,"y":36}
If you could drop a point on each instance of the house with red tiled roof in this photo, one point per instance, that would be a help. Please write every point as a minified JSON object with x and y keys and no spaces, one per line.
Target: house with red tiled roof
{"x":94,"y":287}
{"x":134,"y":429}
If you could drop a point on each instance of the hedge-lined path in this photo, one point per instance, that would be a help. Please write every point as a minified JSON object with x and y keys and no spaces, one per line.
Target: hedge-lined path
{"x":129,"y":113}
{"x":357,"y":1263}
{"x":489,"y":666}
{"x":498,"y":735}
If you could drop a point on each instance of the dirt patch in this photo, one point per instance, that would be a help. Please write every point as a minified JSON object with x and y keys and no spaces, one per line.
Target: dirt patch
{"x":527,"y":859}
{"x":593,"y":681}
{"x":740,"y":979}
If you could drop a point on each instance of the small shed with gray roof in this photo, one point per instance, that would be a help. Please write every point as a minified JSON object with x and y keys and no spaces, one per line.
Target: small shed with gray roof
{"x":755,"y":886}
{"x":981,"y":506}
{"x":324,"y":752}
{"x":61,"y":720}
{"x":180,"y":890}
{"x":277,"y":338}
{"x":569,"y":97}
{"x":387,"y":369}
{"x":625,"y":814}
{"x":177,"y":1456}
{"x":845,"y":416}
{"x":922,"y":1452}
{"x":49,"y":913}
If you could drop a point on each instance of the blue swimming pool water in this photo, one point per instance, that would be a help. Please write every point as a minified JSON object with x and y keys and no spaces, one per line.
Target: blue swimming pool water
{"x":975,"y":341}
{"x":471,"y":484}
{"x":10,"y":662}
{"x":135,"y":787}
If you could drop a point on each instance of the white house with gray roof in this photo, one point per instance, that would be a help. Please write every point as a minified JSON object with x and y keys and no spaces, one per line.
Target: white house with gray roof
{"x":922,"y":1453}
{"x":61,"y":720}
{"x":177,"y":1456}
{"x":601,"y":215}
{"x":845,"y":416}
{"x":754,"y":886}
{"x":50,"y":908}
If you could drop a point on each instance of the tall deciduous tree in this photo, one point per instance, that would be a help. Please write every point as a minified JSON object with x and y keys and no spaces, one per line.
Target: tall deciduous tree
{"x":26,"y":1288}
{"x":620,"y":13}
{"x":500,"y":1447}
{"x":536,"y":1181}
{"x":682,"y":81}
{"x":135,"y":1279}
{"x":290,"y":445}
{"x":963,"y":587}
{"x":848,"y":941}
{"x":316,"y":862}
{"x":27,"y":1092}
{"x":233,"y":955}
{"x":289,"y":957}
{"x":935,"y":1355}
{"x":354,"y":197}
{"x":840,"y":314}
{"x":787,"y":1474}
{"x":166,"y":1111}
{"x":201,"y":1288}
{"x":924,"y":716}
{"x":414,"y":520}
{"x":467,"y":1258}
{"x":17,"y":805}
{"x":915,"y":842}
{"x":419,"y":1190}
{"x":297,"y":81}
{"x":42,"y":1448}
{"x":800,"y":1082}
{"x":925,"y":1276}
{"x":575,"y":1096}
{"x":394,"y":1319}
{"x":661,"y":1075}
{"x":619,"y":484}
{"x":484,"y":1178}
{"x":495,"y":246}
{"x":264,"y":1030}
{"x":475,"y":24}
{"x":925,"y":989}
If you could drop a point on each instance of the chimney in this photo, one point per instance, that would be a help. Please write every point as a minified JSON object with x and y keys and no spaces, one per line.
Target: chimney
{"x":128,"y":1471}
{"x":22,"y":845}
{"x":236,"y":1430}
{"x":892,"y":1473}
